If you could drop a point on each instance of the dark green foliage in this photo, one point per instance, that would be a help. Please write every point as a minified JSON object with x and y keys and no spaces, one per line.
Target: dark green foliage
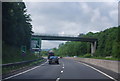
{"x":108,"y":44}
{"x":87,"y":55}
{"x":16,"y":24}
{"x":72,"y":48}
{"x":16,"y":32}
{"x":13,"y":54}
{"x":116,"y":47}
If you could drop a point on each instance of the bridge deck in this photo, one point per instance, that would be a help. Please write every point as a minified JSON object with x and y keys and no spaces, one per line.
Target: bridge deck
{"x":65,"y":38}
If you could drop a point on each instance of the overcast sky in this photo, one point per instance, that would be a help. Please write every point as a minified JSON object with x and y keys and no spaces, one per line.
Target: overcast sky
{"x":71,"y":18}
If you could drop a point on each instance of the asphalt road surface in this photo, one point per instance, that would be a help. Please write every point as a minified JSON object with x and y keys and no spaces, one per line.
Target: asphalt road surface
{"x":67,"y":70}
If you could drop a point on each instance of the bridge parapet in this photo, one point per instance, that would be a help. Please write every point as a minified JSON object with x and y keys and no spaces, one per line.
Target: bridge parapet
{"x":62,"y":35}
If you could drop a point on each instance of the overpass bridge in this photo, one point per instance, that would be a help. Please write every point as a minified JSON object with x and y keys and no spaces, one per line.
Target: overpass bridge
{"x":93,"y":41}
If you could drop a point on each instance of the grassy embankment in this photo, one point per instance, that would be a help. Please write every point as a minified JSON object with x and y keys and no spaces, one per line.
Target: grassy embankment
{"x":96,"y":57}
{"x":12,"y":54}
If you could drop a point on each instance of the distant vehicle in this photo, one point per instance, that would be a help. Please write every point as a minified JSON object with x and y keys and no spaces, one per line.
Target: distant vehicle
{"x":53,"y":60}
{"x":60,"y":57}
{"x":75,"y":56}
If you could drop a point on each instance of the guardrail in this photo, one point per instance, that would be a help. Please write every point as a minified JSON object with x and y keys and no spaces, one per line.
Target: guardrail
{"x":20,"y":63}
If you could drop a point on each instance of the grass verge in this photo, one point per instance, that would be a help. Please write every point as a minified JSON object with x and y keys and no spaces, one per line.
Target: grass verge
{"x":10,"y":69}
{"x":11,"y":54}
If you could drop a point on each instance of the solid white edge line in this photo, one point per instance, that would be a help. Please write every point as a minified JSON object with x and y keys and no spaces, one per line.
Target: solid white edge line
{"x":57,"y":79}
{"x":23,"y":72}
{"x":100,"y":72}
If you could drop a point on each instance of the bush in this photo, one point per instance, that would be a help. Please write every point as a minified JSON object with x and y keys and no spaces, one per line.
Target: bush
{"x":87,"y":55}
{"x":12,"y":54}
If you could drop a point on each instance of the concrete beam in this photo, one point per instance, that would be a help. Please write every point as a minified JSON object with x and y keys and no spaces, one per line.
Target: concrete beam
{"x":63,"y":38}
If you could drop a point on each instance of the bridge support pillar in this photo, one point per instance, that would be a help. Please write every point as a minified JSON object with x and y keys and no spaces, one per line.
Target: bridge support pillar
{"x":93,"y":48}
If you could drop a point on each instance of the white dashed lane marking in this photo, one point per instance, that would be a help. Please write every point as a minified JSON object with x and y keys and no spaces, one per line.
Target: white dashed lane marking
{"x":57,"y":79}
{"x":61,"y":71}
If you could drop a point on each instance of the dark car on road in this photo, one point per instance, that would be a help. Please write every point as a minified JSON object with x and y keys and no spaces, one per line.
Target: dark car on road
{"x":53,"y":60}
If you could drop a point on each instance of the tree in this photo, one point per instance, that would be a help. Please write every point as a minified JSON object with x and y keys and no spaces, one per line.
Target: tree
{"x":17,"y":28}
{"x":108,"y":44}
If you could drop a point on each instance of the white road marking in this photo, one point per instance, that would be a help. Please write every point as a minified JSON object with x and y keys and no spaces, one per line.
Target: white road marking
{"x":63,"y":67}
{"x":100,"y":72}
{"x":24,"y":71}
{"x":57,"y":79}
{"x":61,"y":71}
{"x":42,"y":64}
{"x":56,"y":65}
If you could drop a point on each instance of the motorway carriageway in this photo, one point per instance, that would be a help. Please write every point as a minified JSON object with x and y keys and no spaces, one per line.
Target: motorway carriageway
{"x":67,"y":70}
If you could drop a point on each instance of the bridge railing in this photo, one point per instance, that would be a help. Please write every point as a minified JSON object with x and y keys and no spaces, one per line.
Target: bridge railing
{"x":62,"y":35}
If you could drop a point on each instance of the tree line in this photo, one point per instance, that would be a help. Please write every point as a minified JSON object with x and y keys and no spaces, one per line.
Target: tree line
{"x":108,"y":44}
{"x":16,"y":26}
{"x":16,"y":32}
